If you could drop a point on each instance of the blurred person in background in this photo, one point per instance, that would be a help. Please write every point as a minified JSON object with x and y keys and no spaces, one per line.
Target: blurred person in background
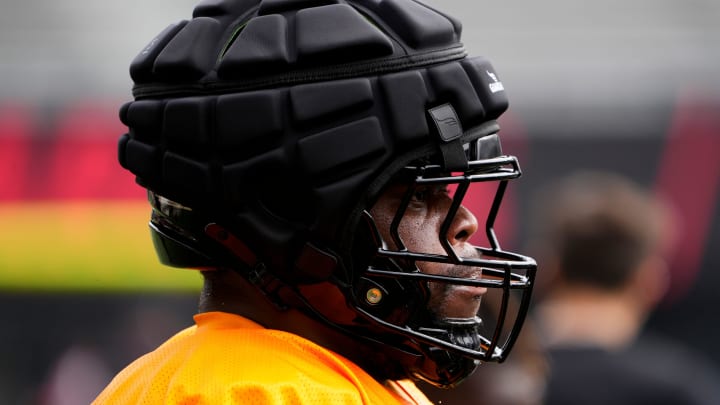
{"x":311,"y":159}
{"x":603,"y":243}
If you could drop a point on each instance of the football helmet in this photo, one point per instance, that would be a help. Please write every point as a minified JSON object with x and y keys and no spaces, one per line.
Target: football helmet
{"x":265,"y":132}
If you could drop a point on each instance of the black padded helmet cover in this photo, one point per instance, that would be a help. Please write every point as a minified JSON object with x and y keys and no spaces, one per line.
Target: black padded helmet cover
{"x":280,"y":114}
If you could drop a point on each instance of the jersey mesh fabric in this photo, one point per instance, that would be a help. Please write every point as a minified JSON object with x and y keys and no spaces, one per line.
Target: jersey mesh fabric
{"x":227,"y":359}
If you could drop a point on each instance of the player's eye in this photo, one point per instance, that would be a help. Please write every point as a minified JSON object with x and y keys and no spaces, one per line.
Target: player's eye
{"x":425,"y":193}
{"x":421,"y":194}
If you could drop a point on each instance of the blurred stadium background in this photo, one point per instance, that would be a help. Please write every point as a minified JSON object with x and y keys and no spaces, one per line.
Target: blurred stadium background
{"x":627,"y":86}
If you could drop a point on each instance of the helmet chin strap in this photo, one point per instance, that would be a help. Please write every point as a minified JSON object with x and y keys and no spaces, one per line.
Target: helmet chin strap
{"x":452,"y":368}
{"x":463,"y":332}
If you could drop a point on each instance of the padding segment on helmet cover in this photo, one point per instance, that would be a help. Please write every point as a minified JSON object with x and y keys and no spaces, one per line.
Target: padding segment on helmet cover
{"x":488,"y":87}
{"x":452,"y":84}
{"x":417,"y":24}
{"x":278,"y":6}
{"x":188,"y":55}
{"x":338,"y":33}
{"x":145,"y":118}
{"x":186,"y":174}
{"x":244,"y":119}
{"x":261,"y":45}
{"x":321,"y":100}
{"x":141,"y":68}
{"x":140,"y":158}
{"x":406,"y":96}
{"x":186,"y":122}
{"x":237,"y":178}
{"x":332,"y":149}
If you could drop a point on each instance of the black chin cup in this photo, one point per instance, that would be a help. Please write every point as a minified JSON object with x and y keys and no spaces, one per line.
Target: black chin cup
{"x":445,"y":368}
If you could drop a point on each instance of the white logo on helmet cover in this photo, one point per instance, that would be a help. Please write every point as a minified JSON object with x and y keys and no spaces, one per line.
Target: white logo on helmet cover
{"x":496,"y":85}
{"x":448,"y":121}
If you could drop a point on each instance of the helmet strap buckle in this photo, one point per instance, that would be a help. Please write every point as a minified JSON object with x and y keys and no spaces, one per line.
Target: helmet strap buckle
{"x":450,"y":132}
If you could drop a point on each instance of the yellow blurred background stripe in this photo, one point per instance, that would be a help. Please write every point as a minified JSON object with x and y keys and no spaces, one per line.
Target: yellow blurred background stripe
{"x":83,"y":245}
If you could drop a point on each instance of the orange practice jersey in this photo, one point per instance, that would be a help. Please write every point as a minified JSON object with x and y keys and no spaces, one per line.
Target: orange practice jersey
{"x":227,"y":359}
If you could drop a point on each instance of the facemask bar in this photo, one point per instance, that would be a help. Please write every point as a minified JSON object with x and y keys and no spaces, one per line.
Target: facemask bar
{"x":505,"y":271}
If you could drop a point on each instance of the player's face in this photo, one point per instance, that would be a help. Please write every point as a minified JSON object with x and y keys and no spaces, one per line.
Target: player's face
{"x":419,"y":230}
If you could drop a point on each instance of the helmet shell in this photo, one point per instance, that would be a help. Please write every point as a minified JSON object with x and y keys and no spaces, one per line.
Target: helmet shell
{"x":282,"y":119}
